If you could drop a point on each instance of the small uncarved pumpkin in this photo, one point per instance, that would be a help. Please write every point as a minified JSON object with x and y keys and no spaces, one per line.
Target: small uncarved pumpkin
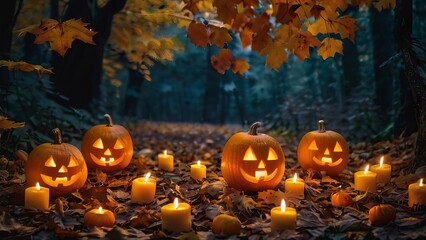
{"x":107,"y":147}
{"x":224,"y":224}
{"x":58,"y":166}
{"x":252,"y":162}
{"x":341,"y":199}
{"x":323,"y":150}
{"x":381,"y":214}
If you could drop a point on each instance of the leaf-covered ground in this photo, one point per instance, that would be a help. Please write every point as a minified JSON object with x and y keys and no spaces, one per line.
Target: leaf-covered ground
{"x":316,"y":218}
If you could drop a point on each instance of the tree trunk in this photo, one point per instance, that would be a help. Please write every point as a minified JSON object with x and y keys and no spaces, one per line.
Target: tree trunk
{"x":212,"y":92}
{"x":383,"y":49}
{"x":8,"y":13}
{"x":78,"y":75}
{"x":416,"y":82}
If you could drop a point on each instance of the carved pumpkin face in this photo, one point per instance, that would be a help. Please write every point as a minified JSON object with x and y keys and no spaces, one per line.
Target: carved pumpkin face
{"x":252,"y":162}
{"x":323,"y":151}
{"x":58,"y":166}
{"x":107,"y":147}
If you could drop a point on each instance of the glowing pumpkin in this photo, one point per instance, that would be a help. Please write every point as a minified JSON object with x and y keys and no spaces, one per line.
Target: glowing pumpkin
{"x":107,"y":147}
{"x":323,"y":150}
{"x":252,"y":162}
{"x":58,"y":166}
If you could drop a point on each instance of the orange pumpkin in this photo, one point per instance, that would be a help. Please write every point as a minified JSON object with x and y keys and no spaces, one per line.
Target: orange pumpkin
{"x":341,"y":199}
{"x":381,"y":214}
{"x":224,"y":224}
{"x":58,"y":166}
{"x":323,"y":150}
{"x":252,"y":162}
{"x":107,"y":147}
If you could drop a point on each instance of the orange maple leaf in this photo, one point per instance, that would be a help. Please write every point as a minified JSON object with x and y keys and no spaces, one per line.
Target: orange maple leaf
{"x":275,"y":55}
{"x":385,"y":4}
{"x":191,"y":5}
{"x":198,"y":33}
{"x":226,"y":10}
{"x":220,"y":36}
{"x":240,"y":66}
{"x":329,"y":47}
{"x":304,"y":41}
{"x":25,"y":67}
{"x":223,"y":61}
{"x":60,"y":35}
{"x":246,"y":37}
{"x":331,"y":23}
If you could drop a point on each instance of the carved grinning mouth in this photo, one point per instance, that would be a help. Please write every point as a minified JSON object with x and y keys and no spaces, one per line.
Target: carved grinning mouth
{"x":261,"y":175}
{"x":327,"y":161}
{"x":106,"y":161}
{"x":56,"y":181}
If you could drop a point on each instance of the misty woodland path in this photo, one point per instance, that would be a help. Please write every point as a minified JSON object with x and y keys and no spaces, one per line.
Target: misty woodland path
{"x":316,"y":218}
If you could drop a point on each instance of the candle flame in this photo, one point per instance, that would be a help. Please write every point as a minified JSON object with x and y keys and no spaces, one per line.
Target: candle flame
{"x":165,"y":153}
{"x":100,"y":209}
{"x":38,"y":186}
{"x":381,"y":161}
{"x":366,"y":169}
{"x":176,"y":203}
{"x":421,"y":182}
{"x":295,"y":178}
{"x":199,"y":163}
{"x":147,"y":176}
{"x":282,"y":205}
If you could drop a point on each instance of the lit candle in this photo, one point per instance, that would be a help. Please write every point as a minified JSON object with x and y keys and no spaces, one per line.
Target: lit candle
{"x":283,"y":217}
{"x":365,"y":180}
{"x":100,"y":218}
{"x":143,"y":190}
{"x":295,"y":185}
{"x":383,"y":171}
{"x":176,"y":217}
{"x":37,"y":197}
{"x":417,"y":194}
{"x":165,"y":161}
{"x":198,"y":171}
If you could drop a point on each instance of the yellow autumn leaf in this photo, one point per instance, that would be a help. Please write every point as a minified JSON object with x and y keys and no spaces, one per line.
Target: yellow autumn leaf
{"x":25,"y":67}
{"x":8,"y":124}
{"x":329,"y":47}
{"x":61,"y":35}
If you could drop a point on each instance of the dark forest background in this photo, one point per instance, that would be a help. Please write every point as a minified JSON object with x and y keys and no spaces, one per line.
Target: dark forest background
{"x":362,"y":94}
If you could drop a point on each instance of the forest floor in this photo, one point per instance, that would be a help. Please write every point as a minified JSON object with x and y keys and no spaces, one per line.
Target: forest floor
{"x":316,"y":218}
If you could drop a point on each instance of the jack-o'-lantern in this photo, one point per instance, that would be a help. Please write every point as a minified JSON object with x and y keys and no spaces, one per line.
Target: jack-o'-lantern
{"x":107,"y":147}
{"x":252,"y":162}
{"x":323,"y":150}
{"x":58,"y":166}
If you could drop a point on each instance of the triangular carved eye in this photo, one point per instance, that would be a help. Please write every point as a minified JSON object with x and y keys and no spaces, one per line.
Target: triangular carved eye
{"x":272,"y":155}
{"x":98,"y":144}
{"x":50,"y":162}
{"x":338,"y":148}
{"x":249,"y":156}
{"x":313,"y":146}
{"x":73,"y":162}
{"x":118,"y":144}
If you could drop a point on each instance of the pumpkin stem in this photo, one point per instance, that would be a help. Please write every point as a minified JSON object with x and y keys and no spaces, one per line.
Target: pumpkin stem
{"x":253,"y":128}
{"x":58,"y":136}
{"x":321,"y":126}
{"x":109,"y":120}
